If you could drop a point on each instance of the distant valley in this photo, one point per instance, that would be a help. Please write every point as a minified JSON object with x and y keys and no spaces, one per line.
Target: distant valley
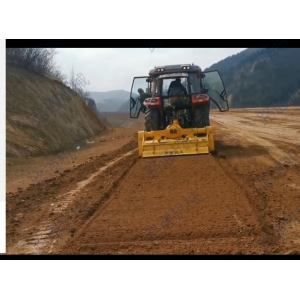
{"x":112,"y":101}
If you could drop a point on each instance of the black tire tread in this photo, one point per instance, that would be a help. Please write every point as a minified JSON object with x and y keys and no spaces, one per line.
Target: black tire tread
{"x":151,"y":119}
{"x":202,"y":116}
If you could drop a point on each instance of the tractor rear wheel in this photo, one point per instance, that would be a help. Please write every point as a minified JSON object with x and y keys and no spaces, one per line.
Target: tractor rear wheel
{"x":202,"y":116}
{"x":151,"y":119}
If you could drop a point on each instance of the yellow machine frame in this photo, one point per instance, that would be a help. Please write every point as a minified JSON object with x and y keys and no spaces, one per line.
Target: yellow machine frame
{"x":175,"y":140}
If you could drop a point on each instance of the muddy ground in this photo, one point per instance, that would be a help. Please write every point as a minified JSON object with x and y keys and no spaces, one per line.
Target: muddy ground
{"x":204,"y":204}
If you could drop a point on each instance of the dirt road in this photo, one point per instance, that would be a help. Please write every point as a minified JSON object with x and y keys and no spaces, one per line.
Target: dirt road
{"x":207,"y":204}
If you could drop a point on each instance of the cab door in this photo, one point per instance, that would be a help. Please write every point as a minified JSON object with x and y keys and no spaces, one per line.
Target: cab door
{"x":215,"y":89}
{"x":135,"y":104}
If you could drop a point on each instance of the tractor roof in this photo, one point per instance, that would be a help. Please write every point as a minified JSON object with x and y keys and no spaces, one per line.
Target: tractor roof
{"x":187,"y":68}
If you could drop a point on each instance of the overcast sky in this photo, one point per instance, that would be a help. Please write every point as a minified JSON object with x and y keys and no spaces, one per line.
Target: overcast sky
{"x":114,"y":69}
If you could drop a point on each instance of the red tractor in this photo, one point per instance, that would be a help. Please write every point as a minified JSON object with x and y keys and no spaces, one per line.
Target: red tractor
{"x":178,"y":95}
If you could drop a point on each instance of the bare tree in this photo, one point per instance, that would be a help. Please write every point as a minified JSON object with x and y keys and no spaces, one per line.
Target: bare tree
{"x":40,"y":60}
{"x":61,"y":77}
{"x":72,"y":80}
{"x":86,"y":94}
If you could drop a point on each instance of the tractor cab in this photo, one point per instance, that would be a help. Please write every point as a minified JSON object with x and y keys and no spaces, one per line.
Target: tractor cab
{"x":181,"y":92}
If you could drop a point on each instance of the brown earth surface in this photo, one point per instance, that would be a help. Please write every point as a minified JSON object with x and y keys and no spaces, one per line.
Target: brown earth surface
{"x":232,"y":213}
{"x":30,"y":98}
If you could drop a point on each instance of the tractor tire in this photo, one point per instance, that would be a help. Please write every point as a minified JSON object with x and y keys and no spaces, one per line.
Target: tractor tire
{"x":202,"y":116}
{"x":151,"y":119}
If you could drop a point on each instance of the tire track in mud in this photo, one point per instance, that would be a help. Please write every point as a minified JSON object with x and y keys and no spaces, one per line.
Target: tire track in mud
{"x":61,"y":201}
{"x":274,"y":203}
{"x":255,"y":196}
{"x":120,"y":171}
{"x":224,"y":213}
{"x":71,"y":196}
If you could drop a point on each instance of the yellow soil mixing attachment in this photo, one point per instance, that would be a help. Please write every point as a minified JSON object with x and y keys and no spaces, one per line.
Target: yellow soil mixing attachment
{"x":175,"y":140}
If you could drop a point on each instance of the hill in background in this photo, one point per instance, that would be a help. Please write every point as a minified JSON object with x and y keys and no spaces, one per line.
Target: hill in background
{"x":251,"y":81}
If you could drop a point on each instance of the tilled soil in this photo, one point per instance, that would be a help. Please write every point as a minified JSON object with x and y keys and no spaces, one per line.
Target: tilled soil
{"x":130,"y":212}
{"x":29,"y":210}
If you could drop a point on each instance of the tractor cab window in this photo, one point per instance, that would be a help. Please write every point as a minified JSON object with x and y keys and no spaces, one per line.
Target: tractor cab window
{"x":184,"y":82}
{"x":177,"y":87}
{"x":214,"y":85}
{"x":169,"y":85}
{"x":157,"y":86}
{"x":140,"y":91}
{"x":194,"y":83}
{"x":165,"y":86}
